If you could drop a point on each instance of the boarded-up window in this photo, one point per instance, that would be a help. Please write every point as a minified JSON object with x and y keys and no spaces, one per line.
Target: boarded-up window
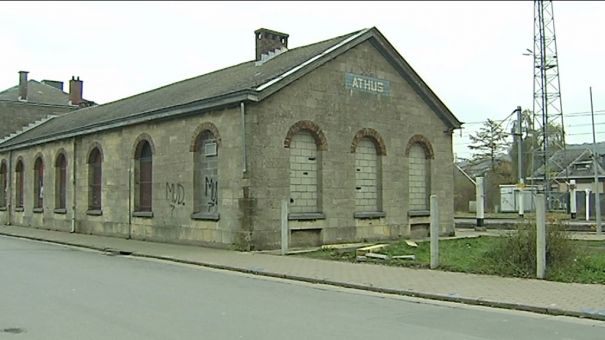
{"x":3,"y":178}
{"x":304,"y":173}
{"x":367,"y":177}
{"x":205,"y":178}
{"x":38,"y":183}
{"x":95,"y":177}
{"x":60,"y":181}
{"x":419,"y":178}
{"x":19,"y":184}
{"x":143,"y":177}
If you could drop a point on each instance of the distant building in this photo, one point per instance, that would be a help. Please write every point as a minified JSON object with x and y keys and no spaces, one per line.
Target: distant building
{"x":466,"y":171}
{"x":575,"y":162}
{"x":32,"y":101}
{"x":343,"y":130}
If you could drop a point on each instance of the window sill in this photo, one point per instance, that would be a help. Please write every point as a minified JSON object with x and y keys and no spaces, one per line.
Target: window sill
{"x":205,"y":216}
{"x":144,"y":214}
{"x":38,"y":210}
{"x":369,"y":214}
{"x":62,"y":211}
{"x":94,"y":212}
{"x":2,"y":208}
{"x":19,"y":209}
{"x":307,"y":216}
{"x":419,"y":213}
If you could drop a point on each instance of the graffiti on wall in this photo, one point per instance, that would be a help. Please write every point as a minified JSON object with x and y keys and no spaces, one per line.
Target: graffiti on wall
{"x":211,"y":193}
{"x":175,"y":195}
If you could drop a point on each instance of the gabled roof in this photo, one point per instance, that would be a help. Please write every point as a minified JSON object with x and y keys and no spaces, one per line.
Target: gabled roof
{"x":574,"y":162}
{"x":248,"y":81}
{"x":480,"y":166}
{"x":37,"y":93}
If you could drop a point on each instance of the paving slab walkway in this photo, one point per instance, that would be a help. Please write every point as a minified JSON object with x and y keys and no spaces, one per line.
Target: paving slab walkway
{"x":555,"y":298}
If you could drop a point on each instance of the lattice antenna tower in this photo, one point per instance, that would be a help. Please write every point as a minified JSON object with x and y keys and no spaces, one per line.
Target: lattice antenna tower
{"x":547,"y":106}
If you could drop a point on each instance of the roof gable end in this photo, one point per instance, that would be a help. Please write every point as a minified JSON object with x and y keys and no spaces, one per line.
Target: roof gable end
{"x":387,"y":50}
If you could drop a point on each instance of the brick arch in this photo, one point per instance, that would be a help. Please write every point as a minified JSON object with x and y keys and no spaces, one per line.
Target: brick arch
{"x":95,"y":145}
{"x":137,"y":143}
{"x":41,"y":157}
{"x":318,"y":135}
{"x":59,"y":153}
{"x":373,"y":135}
{"x":18,"y":160}
{"x":424,"y":143}
{"x":207,"y":126}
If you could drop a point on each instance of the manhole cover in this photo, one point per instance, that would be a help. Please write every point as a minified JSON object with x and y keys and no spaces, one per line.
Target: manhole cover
{"x":13,"y":330}
{"x":114,"y":252}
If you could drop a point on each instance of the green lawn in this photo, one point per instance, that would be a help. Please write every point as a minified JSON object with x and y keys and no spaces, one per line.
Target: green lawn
{"x":476,"y":255}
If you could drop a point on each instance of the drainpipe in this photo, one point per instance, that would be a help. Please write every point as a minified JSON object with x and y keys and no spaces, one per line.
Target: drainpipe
{"x":9,"y":189}
{"x":73,"y":184}
{"x":243,"y":132}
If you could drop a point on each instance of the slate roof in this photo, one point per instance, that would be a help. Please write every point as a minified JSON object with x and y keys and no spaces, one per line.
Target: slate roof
{"x":247,"y":81}
{"x":37,"y":93}
{"x":478,"y":167}
{"x":571,"y":159}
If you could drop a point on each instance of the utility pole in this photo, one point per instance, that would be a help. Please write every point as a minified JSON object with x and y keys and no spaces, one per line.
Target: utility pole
{"x":595,"y":165}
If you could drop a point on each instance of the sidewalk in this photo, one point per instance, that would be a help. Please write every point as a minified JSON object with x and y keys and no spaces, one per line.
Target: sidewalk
{"x":580,"y":300}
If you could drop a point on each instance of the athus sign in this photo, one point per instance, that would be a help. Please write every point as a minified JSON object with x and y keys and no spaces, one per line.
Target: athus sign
{"x":367,"y":84}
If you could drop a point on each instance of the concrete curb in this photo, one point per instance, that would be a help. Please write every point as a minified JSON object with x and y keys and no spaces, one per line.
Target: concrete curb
{"x":410,"y":293}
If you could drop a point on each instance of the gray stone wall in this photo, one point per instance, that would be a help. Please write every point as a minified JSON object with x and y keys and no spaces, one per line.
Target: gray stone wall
{"x":321,"y":98}
{"x":17,"y":115}
{"x":337,"y":122}
{"x":48,"y":218}
{"x":172,"y":197}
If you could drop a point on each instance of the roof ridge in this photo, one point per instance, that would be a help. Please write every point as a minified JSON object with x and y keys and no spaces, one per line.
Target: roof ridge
{"x":220,"y":70}
{"x":47,"y":85}
{"x":240,"y":77}
{"x":349,"y":37}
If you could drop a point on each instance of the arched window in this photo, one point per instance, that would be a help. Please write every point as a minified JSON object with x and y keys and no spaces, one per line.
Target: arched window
{"x":95,"y":160}
{"x":38,"y":183}
{"x":205,"y":176}
{"x":305,"y":173}
{"x":367,"y":177}
{"x":143,"y":178}
{"x":19,"y":185}
{"x":419,"y":178}
{"x":3,"y":178}
{"x":60,"y":181}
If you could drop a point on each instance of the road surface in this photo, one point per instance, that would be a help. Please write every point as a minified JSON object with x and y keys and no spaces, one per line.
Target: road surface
{"x":50,"y":292}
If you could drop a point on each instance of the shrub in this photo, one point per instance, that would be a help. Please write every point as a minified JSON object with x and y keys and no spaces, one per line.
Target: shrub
{"x":515,"y":253}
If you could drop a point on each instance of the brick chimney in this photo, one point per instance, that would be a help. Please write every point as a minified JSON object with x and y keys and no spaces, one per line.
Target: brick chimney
{"x":23,"y":85}
{"x":75,"y":91}
{"x":269,"y":41}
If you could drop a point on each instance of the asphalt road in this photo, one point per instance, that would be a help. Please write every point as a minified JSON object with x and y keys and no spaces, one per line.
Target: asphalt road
{"x":55,"y":292}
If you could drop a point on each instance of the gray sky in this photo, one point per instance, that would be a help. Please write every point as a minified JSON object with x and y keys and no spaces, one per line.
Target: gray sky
{"x":469,"y":53}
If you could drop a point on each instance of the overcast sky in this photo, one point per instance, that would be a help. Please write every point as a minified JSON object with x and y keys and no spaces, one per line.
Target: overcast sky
{"x":469,"y":53}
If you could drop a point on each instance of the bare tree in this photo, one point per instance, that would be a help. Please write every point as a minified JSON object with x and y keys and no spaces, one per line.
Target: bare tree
{"x":488,"y":141}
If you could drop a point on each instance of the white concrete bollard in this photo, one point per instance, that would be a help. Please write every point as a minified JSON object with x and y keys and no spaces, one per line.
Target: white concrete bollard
{"x":284,"y":227}
{"x":480,"y":203}
{"x":587,"y":191}
{"x":434,"y":232}
{"x":573,"y":206}
{"x":540,"y":236}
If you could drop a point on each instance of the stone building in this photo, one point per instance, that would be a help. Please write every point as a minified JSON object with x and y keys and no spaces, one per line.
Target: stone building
{"x":344,"y":130}
{"x":30,"y":102}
